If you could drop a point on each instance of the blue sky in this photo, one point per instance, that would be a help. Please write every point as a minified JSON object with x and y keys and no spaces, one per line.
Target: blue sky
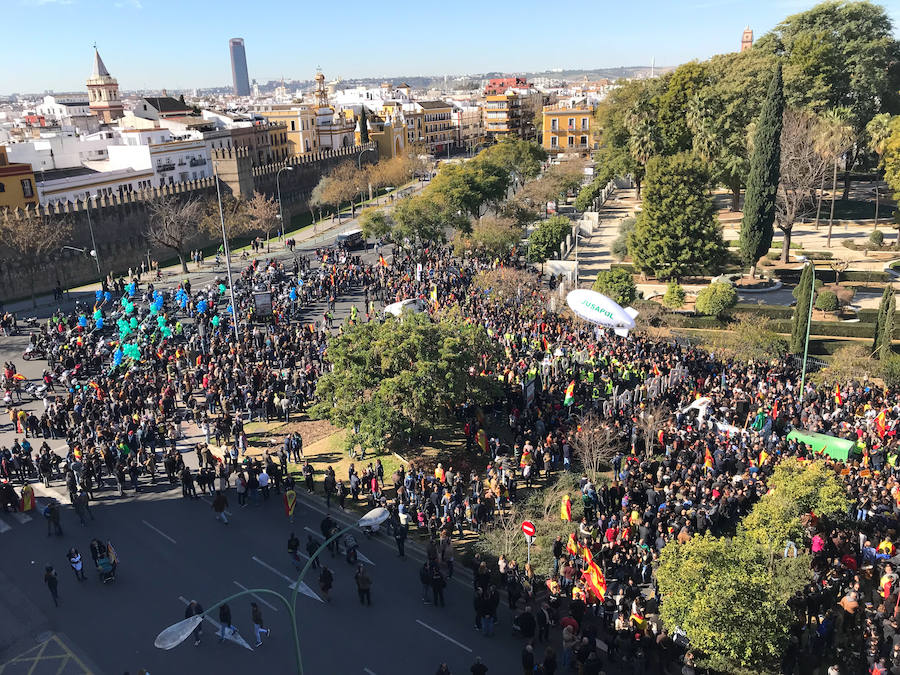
{"x":184,"y":43}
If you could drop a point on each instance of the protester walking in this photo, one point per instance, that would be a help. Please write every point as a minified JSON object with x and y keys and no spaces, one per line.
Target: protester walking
{"x":52,"y":581}
{"x":258,"y":629}
{"x":363,"y":586}
{"x":220,"y":503}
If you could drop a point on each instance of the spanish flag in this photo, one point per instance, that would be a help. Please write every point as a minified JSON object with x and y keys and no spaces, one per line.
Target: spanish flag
{"x":565,"y":509}
{"x":775,"y":410}
{"x":481,"y":439}
{"x":382,"y":261}
{"x":881,"y":423}
{"x":546,"y":345}
{"x":708,"y":459}
{"x":434,"y":295}
{"x":570,"y":394}
{"x":572,"y":545}
{"x":838,"y":399}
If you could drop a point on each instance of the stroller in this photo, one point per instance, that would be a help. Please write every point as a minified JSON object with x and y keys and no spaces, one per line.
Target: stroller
{"x":105,"y":559}
{"x":106,"y":569}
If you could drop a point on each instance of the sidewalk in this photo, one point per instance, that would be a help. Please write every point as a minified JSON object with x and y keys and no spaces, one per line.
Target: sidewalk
{"x":595,"y":250}
{"x":172,"y":275}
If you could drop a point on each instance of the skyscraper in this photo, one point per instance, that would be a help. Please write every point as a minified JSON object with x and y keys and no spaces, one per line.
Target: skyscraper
{"x":239,"y":67}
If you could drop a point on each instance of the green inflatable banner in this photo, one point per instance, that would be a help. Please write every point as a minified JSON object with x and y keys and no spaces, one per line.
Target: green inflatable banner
{"x":834,"y":447}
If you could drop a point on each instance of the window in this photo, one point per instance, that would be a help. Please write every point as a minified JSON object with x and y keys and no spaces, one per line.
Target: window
{"x":571,"y":141}
{"x":584,"y":123}
{"x":571,"y":122}
{"x":583,"y":140}
{"x":554,"y":124}
{"x":27,"y":188}
{"x":553,"y":141}
{"x":2,"y":187}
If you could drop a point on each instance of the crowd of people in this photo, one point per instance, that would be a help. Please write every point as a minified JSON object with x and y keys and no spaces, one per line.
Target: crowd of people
{"x":124,"y":376}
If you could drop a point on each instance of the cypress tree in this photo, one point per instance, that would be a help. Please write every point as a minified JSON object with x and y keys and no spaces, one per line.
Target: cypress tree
{"x":879,"y":321}
{"x":887,"y":328}
{"x":363,"y":127}
{"x":757,"y":224}
{"x":804,"y":293}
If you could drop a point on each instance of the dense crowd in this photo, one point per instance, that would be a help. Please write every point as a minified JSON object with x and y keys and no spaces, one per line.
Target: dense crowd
{"x":125,"y":376}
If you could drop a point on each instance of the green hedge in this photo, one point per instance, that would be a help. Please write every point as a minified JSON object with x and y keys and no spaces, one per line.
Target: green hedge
{"x":826,"y":274}
{"x":781,"y":325}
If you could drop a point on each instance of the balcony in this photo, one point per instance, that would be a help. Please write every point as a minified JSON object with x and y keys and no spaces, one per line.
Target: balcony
{"x":198,"y":161}
{"x":165,"y":167}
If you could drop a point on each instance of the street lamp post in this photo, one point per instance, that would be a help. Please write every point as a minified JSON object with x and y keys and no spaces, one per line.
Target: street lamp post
{"x":93,"y":243}
{"x":359,"y":157}
{"x":808,"y":325}
{"x":234,"y":310}
{"x":278,"y":188}
{"x":174,"y":635}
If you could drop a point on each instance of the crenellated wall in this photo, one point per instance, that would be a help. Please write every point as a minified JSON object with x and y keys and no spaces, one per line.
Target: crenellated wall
{"x":120,"y":222}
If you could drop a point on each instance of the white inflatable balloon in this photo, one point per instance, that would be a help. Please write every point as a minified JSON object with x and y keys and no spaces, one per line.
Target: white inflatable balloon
{"x":601,"y":310}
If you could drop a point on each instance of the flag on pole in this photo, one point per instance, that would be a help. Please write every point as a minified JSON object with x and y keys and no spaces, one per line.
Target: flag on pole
{"x":837,"y":394}
{"x":382,"y":261}
{"x":708,"y":459}
{"x":565,"y":509}
{"x":570,"y":394}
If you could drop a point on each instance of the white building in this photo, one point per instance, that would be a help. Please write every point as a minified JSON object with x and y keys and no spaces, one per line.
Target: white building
{"x":77,"y":184}
{"x":61,"y":108}
{"x":170,"y":160}
{"x":61,"y":151}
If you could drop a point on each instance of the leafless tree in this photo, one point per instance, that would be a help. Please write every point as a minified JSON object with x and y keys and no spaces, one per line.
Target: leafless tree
{"x":595,"y":444}
{"x":173,"y":224}
{"x":802,"y":166}
{"x":31,"y":239}
{"x":504,"y":536}
{"x":650,"y":422}
{"x":838,"y":266}
{"x":234,"y":212}
{"x":263,"y":214}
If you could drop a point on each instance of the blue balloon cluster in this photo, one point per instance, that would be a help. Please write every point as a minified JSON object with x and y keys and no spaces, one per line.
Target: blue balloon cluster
{"x":130,"y":289}
{"x":202,"y":306}
{"x":181,"y":297}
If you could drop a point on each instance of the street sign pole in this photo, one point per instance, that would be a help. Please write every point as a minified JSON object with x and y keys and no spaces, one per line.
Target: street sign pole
{"x":528,"y":539}
{"x":529,"y":531}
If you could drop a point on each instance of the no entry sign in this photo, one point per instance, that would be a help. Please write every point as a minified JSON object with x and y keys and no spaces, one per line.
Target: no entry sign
{"x":528,"y":528}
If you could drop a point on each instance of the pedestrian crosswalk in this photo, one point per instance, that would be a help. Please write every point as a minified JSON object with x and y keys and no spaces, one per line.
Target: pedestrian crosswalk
{"x":8,"y":521}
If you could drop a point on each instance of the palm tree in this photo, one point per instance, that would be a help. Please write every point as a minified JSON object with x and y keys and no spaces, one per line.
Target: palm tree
{"x":835,"y":140}
{"x":878,"y":130}
{"x":643,"y":139}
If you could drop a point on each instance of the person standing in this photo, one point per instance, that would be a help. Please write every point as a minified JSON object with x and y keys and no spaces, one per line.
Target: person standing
{"x":326,"y":580}
{"x":52,"y":581}
{"x":220,"y":503}
{"x":400,"y":538}
{"x":52,"y":513}
{"x":438,"y":583}
{"x":194,"y":609}
{"x":256,"y":616}
{"x":77,"y":563}
{"x":363,"y":586}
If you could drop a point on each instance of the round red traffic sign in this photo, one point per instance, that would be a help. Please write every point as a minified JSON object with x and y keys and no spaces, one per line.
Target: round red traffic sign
{"x":528,"y":528}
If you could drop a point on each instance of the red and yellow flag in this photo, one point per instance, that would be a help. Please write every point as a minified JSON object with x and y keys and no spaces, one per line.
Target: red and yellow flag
{"x":382,"y":261}
{"x":881,"y":423}
{"x":572,"y":545}
{"x":481,"y":439}
{"x":837,"y":394}
{"x":565,"y":508}
{"x":708,"y":459}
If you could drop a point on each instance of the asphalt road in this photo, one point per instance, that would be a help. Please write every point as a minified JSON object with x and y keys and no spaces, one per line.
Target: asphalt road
{"x":171,"y":549}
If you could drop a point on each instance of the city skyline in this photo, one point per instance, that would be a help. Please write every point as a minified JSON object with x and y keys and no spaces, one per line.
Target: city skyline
{"x":129,"y":34}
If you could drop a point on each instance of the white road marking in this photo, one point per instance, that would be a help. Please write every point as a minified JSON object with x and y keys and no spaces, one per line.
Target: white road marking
{"x":254,"y":595}
{"x":22,"y":517}
{"x":159,"y":532}
{"x":306,"y":590}
{"x":368,"y":672}
{"x":443,"y":635}
{"x":4,"y":527}
{"x":233,"y":637}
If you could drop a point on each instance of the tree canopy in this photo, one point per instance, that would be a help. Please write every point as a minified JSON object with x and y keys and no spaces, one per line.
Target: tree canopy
{"x":394,"y":378}
{"x":677,"y":233}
